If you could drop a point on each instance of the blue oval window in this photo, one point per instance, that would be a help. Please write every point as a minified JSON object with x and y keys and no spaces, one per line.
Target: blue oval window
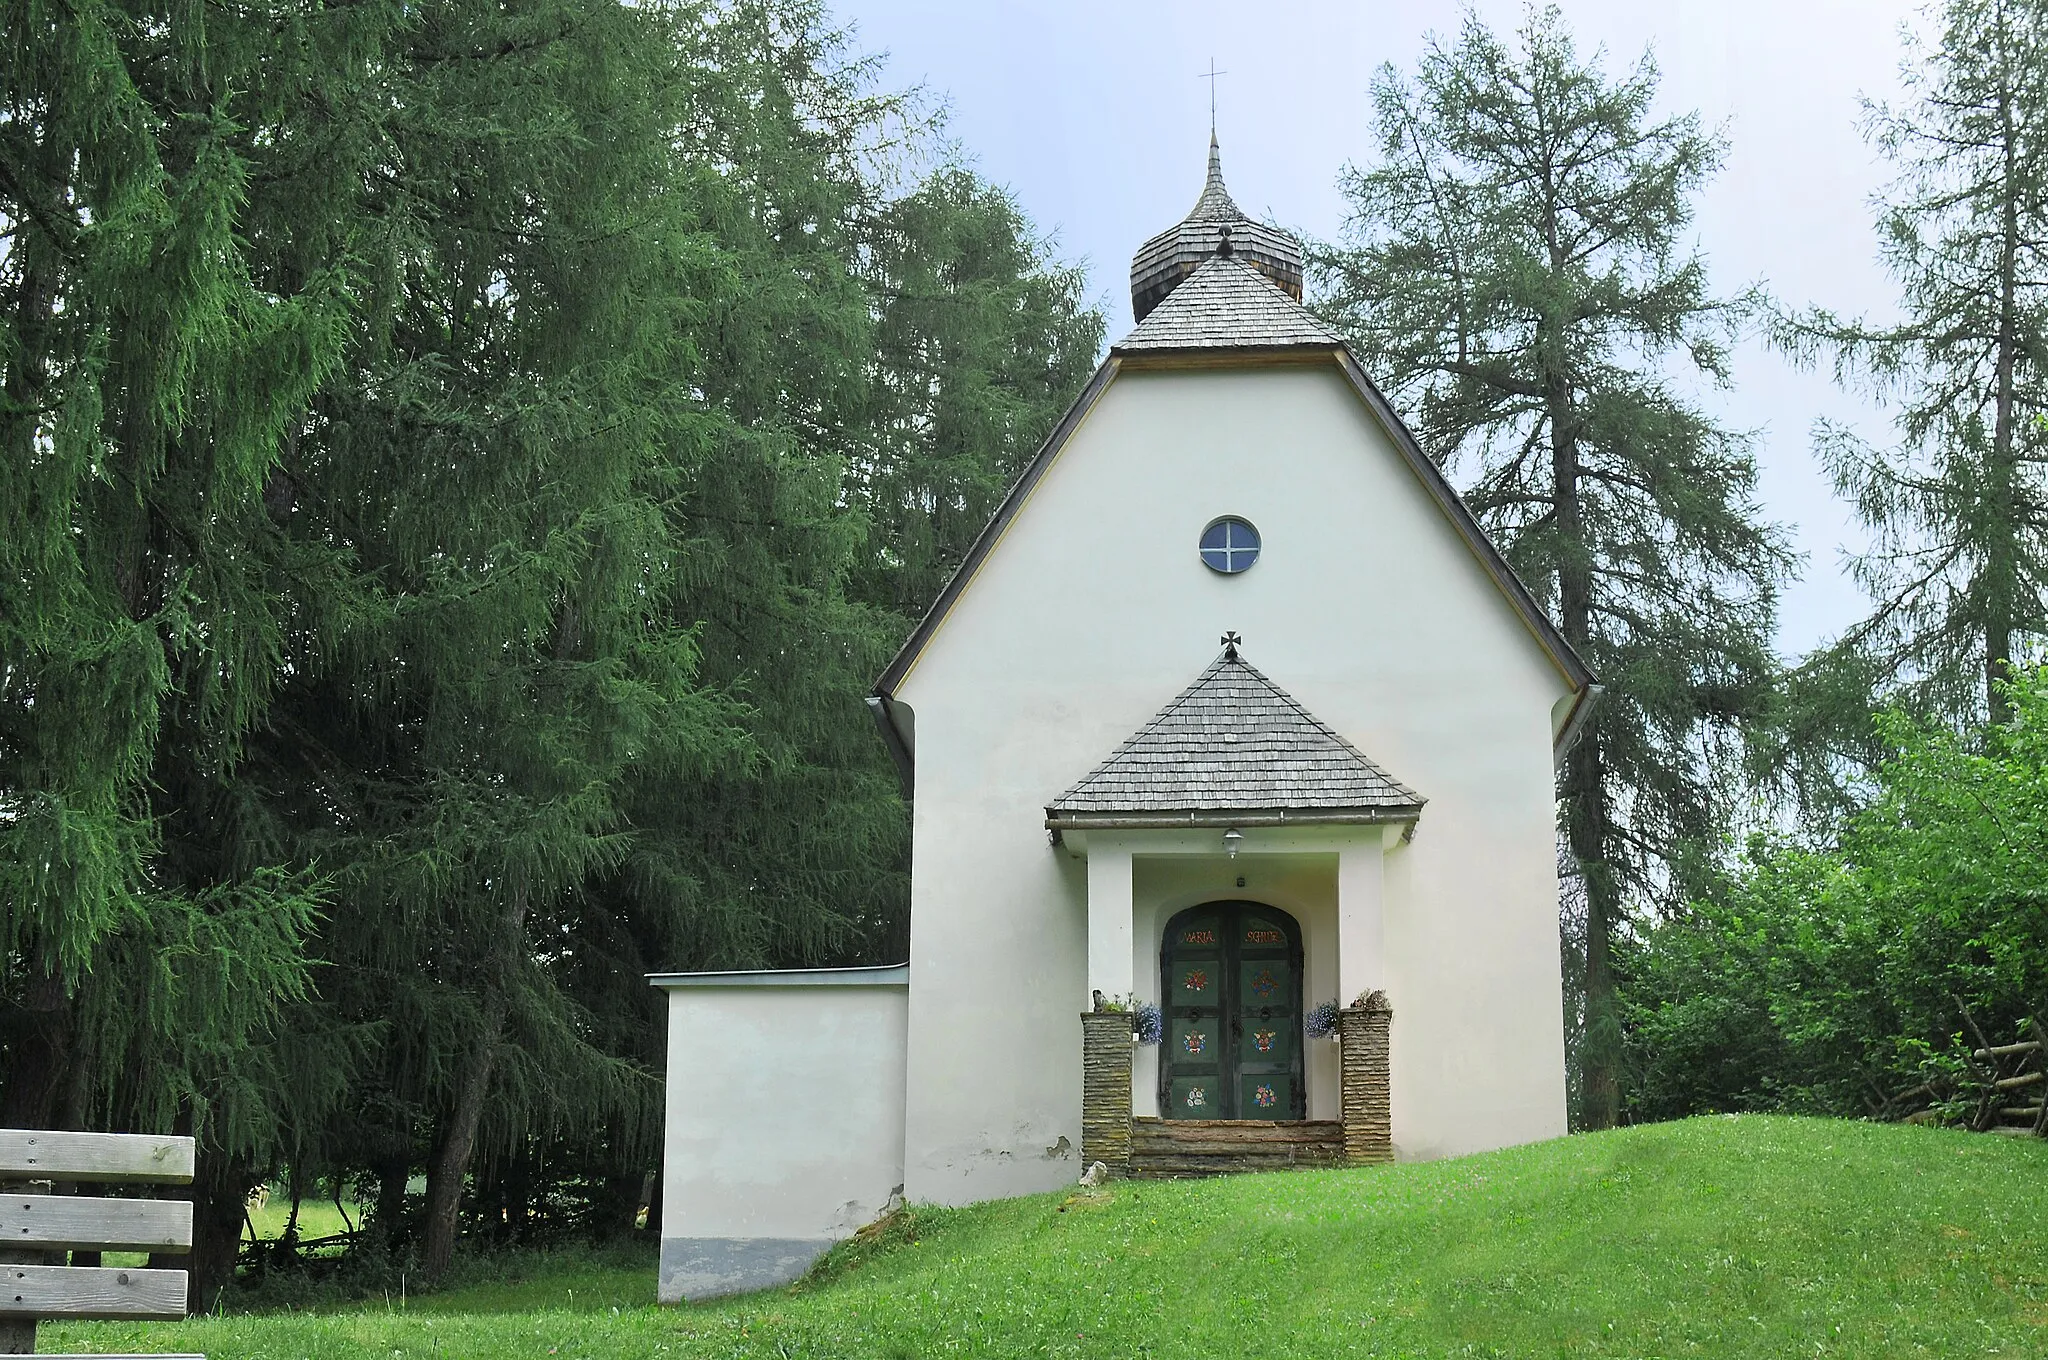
{"x":1230,"y":545}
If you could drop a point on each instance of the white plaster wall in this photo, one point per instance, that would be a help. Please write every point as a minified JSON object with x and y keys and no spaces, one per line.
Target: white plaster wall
{"x":784,"y":1110}
{"x":1091,"y":612}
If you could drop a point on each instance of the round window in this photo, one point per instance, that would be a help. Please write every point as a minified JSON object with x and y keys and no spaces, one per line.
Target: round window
{"x":1230,"y":545}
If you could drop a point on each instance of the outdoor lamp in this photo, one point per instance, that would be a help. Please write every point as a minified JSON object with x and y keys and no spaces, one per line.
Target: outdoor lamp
{"x":1231,"y":840}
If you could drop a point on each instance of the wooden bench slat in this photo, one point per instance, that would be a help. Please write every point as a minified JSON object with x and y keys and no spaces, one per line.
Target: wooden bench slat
{"x":108,"y":1158}
{"x":81,"y":1223}
{"x":91,"y":1292}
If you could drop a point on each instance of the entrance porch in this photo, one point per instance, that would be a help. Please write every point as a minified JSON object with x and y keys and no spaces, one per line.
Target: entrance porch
{"x":1238,"y":859}
{"x":1165,"y":910}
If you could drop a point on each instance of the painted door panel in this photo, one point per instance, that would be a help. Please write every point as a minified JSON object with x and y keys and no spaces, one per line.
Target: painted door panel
{"x":1232,"y":995}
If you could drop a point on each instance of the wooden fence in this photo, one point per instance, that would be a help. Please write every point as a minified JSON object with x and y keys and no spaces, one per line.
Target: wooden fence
{"x":2003,"y":1088}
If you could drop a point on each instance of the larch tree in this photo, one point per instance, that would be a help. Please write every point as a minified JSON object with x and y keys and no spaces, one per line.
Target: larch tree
{"x":908,"y":349}
{"x":793,"y":855}
{"x":1515,"y":272}
{"x":151,"y":932}
{"x":439,"y":579}
{"x":500,"y":456}
{"x":1959,"y":505}
{"x":983,"y":336}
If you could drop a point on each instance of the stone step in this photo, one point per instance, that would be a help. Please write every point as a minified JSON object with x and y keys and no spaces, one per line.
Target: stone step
{"x":1215,"y":1147}
{"x":1242,"y":1130}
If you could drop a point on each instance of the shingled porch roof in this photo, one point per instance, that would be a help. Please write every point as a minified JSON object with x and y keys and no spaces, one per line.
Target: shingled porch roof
{"x":1233,"y":749}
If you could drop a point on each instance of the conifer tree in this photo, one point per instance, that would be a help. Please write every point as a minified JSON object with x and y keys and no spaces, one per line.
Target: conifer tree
{"x":444,"y":592}
{"x":919,"y":347}
{"x":982,"y":339}
{"x":1515,"y":272}
{"x":1959,"y":506}
{"x":501,"y":455}
{"x":150,"y":932}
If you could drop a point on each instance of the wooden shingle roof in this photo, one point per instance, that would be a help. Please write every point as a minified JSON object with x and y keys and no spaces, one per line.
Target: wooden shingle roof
{"x":1226,"y":304}
{"x":1233,"y":742}
{"x":1215,"y":224}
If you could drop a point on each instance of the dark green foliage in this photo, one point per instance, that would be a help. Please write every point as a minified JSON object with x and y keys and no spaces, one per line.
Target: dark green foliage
{"x":153,"y":378}
{"x":158,"y":367}
{"x":1836,"y":969}
{"x":503,"y":457}
{"x":1828,"y":977}
{"x":445,"y":558}
{"x":1515,"y":273}
{"x":981,"y":341}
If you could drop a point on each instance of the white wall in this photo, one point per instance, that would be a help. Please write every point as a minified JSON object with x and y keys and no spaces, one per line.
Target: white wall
{"x":1093,"y":611}
{"x":784,"y":1122}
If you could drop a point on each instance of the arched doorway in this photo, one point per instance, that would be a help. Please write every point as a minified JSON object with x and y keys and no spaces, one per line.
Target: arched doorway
{"x":1231,"y":993}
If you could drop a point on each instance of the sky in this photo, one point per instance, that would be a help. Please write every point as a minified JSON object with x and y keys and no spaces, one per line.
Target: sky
{"x":1095,"y":116}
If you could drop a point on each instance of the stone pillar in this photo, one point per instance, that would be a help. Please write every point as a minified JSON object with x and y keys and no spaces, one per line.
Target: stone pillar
{"x":1368,"y":1106}
{"x":1106,"y":1090}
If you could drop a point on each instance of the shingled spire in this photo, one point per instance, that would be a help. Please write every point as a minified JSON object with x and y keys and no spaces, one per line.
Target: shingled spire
{"x":1216,"y":204}
{"x":1214,"y":226}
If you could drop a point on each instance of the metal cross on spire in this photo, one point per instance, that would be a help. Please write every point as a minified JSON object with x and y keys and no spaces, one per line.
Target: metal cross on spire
{"x":1210,"y":76}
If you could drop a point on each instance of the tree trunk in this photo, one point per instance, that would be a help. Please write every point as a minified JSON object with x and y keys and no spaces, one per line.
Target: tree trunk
{"x":2002,"y":565}
{"x":1586,"y":834}
{"x":1586,"y":831}
{"x":617,"y":1208}
{"x":41,"y":1071}
{"x":72,"y":1115}
{"x":450,"y":1167}
{"x":220,"y":1197}
{"x":389,"y":1211}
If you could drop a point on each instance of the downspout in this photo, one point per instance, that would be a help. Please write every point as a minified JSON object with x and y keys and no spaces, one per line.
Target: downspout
{"x":1575,"y":725}
{"x":892,"y":737}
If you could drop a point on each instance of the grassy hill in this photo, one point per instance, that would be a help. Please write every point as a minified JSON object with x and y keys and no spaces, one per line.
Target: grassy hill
{"x":1712,"y":1237}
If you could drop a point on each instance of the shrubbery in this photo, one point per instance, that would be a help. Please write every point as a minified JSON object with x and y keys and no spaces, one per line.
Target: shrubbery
{"x":1829,"y":976}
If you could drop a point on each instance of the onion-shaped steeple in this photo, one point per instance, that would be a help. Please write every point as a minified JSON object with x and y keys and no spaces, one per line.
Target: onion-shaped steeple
{"x":1216,"y":226}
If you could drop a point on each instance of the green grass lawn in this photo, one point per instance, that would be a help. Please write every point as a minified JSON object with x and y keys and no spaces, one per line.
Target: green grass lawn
{"x":1713,"y":1237}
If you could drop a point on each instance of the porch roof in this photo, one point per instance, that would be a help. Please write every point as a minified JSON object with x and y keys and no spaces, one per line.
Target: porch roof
{"x":1233,"y":748}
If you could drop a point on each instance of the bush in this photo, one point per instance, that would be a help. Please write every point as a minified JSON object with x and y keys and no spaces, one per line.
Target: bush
{"x":1825,"y":978}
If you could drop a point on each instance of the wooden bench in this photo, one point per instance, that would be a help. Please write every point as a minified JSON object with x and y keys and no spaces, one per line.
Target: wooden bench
{"x":35,"y":1226}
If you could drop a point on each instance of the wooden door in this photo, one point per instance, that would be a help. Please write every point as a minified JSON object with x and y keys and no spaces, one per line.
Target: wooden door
{"x":1231,"y":982}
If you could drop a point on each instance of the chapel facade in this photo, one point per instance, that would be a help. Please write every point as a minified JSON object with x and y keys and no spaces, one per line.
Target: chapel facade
{"x":1232,"y":713}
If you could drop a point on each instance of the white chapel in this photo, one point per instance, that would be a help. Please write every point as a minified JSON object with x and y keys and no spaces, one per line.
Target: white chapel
{"x":1231,"y":750}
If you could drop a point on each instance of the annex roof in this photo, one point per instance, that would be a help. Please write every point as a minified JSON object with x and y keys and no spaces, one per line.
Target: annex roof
{"x":1226,"y":304}
{"x":1233,"y":743}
